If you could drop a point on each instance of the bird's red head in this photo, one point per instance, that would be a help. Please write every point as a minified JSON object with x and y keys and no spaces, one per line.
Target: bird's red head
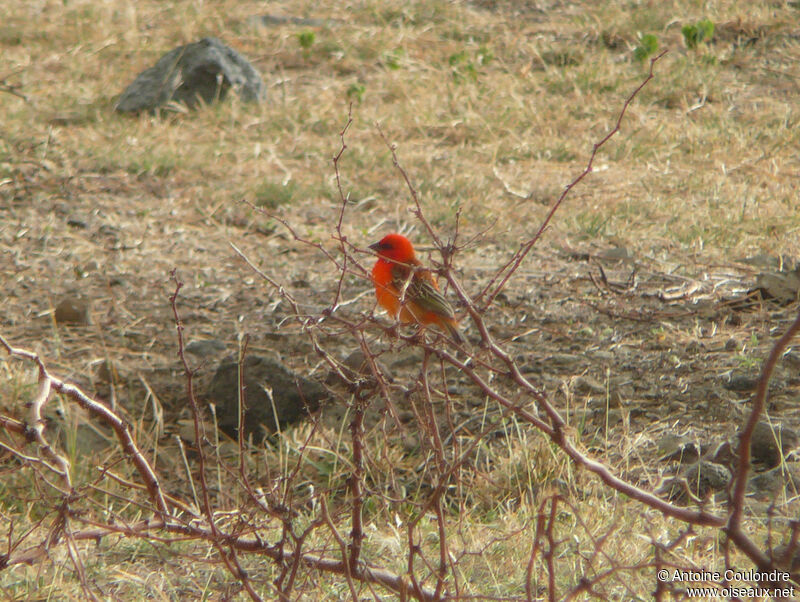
{"x":395,"y":247}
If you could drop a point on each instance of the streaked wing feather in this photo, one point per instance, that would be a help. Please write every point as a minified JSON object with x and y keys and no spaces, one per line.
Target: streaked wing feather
{"x":422,"y":290}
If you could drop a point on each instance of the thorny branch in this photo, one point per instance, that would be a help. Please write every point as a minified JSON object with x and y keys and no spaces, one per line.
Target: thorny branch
{"x":511,"y":266}
{"x":104,"y":415}
{"x":431,"y":572}
{"x":733,"y":528}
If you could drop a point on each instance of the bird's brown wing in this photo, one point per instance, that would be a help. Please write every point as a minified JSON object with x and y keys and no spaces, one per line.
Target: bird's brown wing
{"x":421,"y":288}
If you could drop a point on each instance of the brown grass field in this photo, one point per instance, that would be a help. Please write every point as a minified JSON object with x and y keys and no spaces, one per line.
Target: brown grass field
{"x":633,"y":313}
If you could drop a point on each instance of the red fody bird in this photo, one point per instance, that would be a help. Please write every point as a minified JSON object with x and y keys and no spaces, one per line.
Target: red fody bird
{"x":407,"y":290}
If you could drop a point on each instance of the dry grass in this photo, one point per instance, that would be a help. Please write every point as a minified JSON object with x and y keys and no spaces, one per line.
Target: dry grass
{"x":494,"y":107}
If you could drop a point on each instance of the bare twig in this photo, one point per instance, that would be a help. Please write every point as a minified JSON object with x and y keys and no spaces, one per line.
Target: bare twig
{"x":507,"y":270}
{"x":733,"y":527}
{"x":103,"y":414}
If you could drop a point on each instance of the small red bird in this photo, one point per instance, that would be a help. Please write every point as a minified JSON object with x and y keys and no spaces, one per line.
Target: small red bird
{"x":407,"y":290}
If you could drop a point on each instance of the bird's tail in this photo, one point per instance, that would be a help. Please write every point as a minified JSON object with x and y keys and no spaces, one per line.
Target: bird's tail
{"x":452,"y":328}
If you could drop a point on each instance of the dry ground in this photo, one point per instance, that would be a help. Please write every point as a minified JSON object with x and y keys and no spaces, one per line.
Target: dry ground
{"x":494,"y":107}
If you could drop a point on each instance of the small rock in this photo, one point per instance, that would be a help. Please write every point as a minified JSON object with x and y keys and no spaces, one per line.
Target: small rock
{"x":531,"y":368}
{"x":475,"y":402}
{"x":72,"y":310}
{"x":293,"y":396}
{"x":611,"y":419}
{"x":764,"y":446}
{"x":89,"y":438}
{"x":76,"y":222}
{"x":762,"y":260}
{"x":410,"y":357}
{"x":205,"y":348}
{"x":702,"y":479}
{"x":781,"y":286}
{"x":767,"y":485}
{"x":615,"y":254}
{"x":560,"y":360}
{"x":585,"y":385}
{"x":268,"y":20}
{"x":106,"y":371}
{"x":740,"y":383}
{"x":357,"y":372}
{"x":411,"y":444}
{"x":406,"y":416}
{"x":793,"y":562}
{"x":694,"y":347}
{"x":673,"y":447}
{"x":106,"y":378}
{"x":724,"y":454}
{"x":202,"y":70}
{"x":669,"y":443}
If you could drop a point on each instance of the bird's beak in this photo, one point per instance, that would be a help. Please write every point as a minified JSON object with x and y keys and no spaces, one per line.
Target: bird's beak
{"x":376,"y":246}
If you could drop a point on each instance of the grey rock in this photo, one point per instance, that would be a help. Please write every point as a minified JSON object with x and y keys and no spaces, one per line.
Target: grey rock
{"x":762,"y":260}
{"x":201,"y":70}
{"x":700,"y":480}
{"x":586,"y":385}
{"x":741,"y":383}
{"x":705,"y":477}
{"x":770,"y":484}
{"x":293,"y":396}
{"x":560,"y":360}
{"x":205,"y":347}
{"x":678,"y":448}
{"x":615,"y":254}
{"x":783,"y":286}
{"x":272,"y":20}
{"x":77,"y":222}
{"x":72,"y":310}
{"x":764,"y":446}
{"x":787,"y":558}
{"x":612,"y":418}
{"x":724,"y":454}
